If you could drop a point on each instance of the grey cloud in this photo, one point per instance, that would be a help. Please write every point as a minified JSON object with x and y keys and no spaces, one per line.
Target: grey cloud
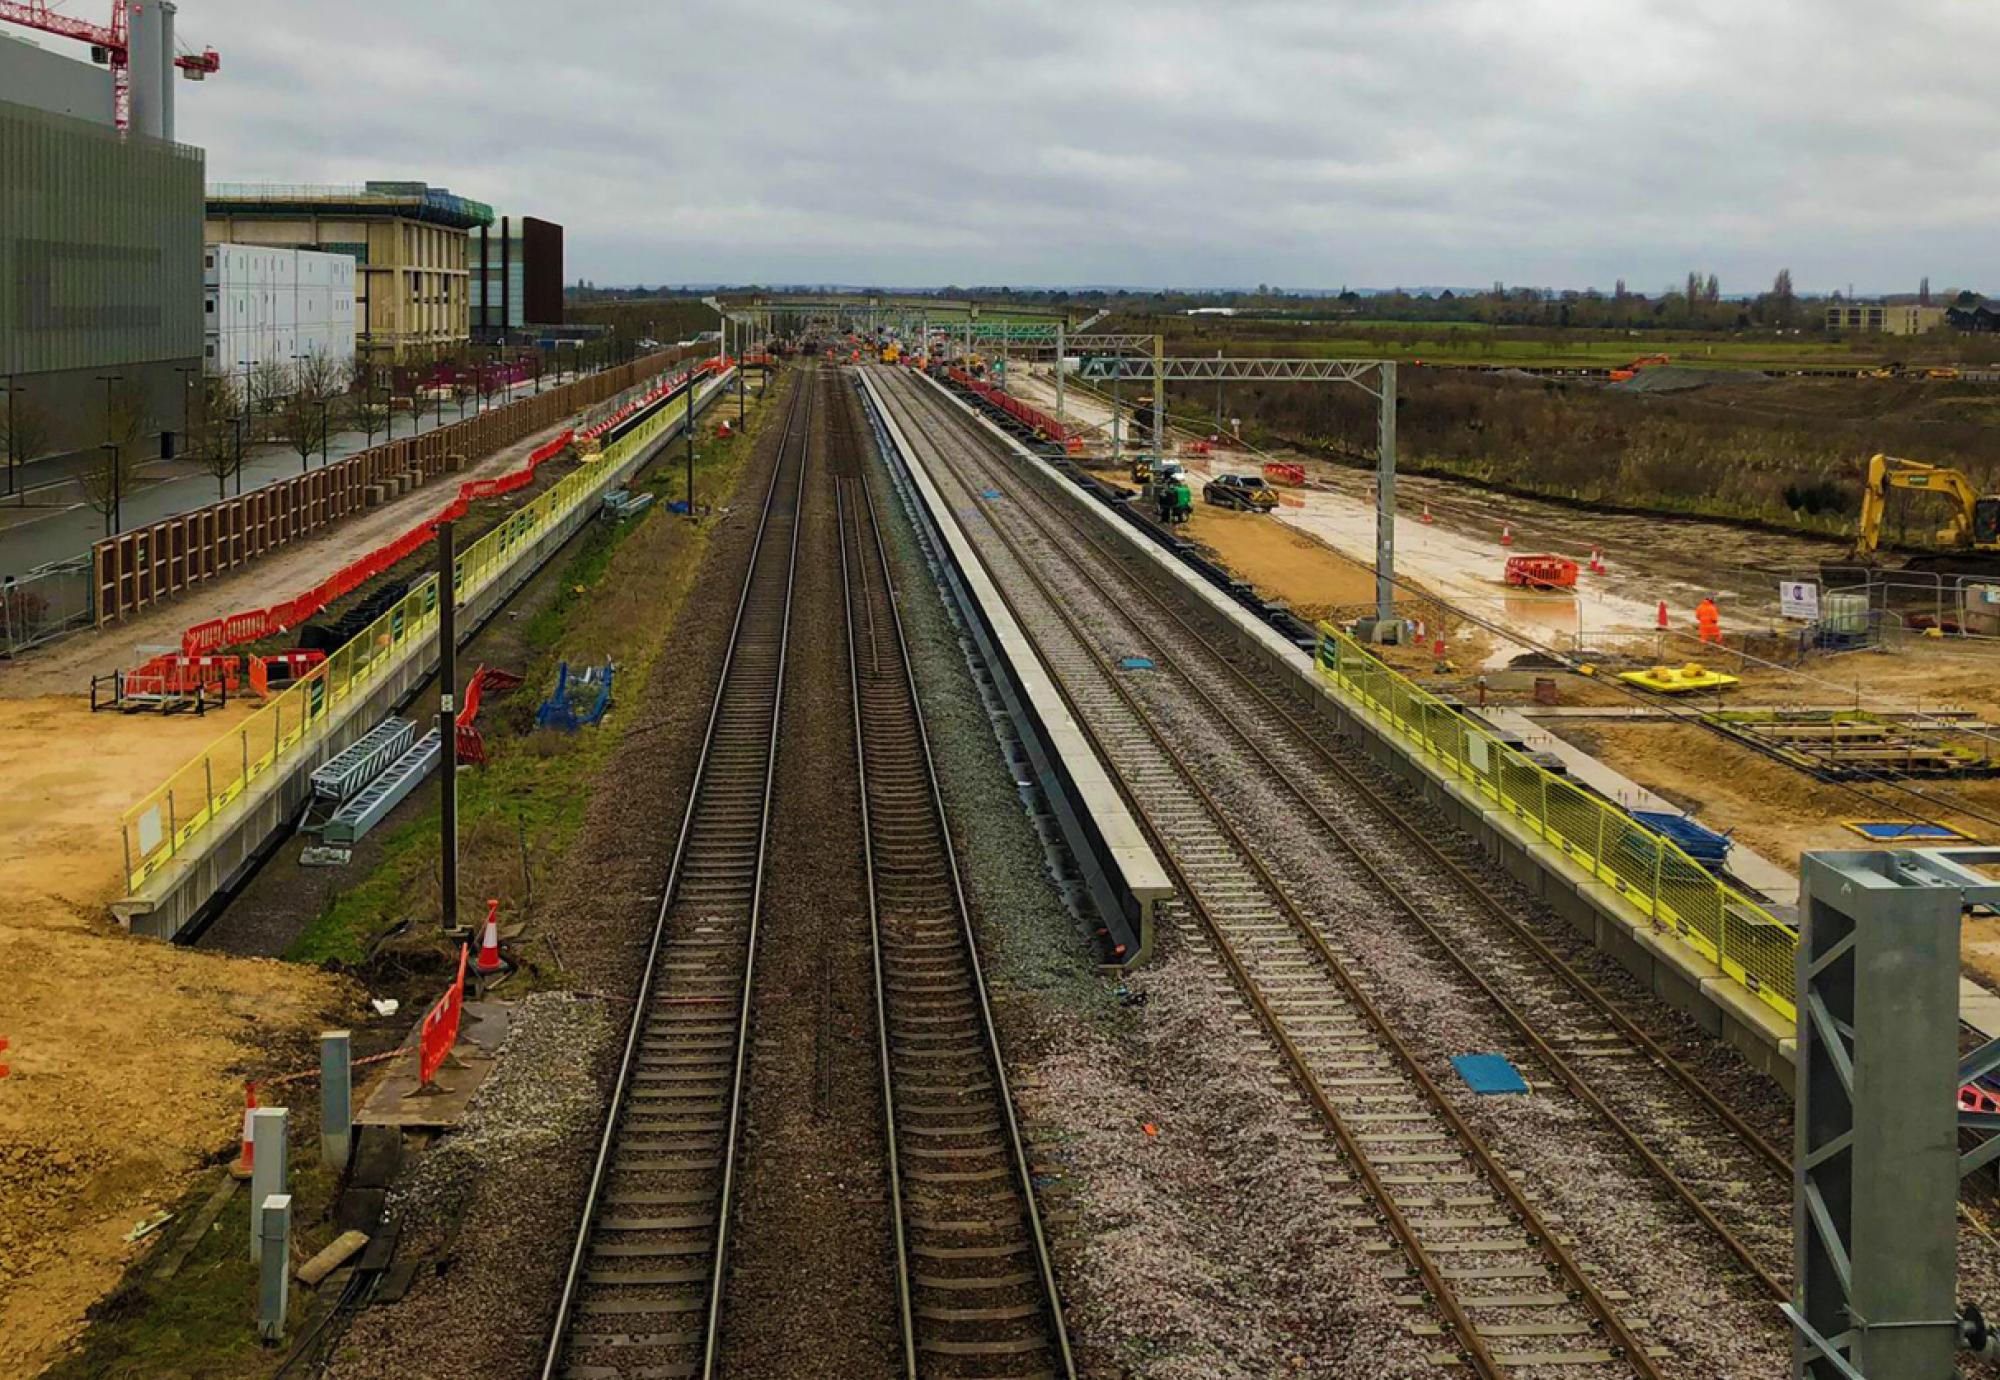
{"x":1308,"y":144}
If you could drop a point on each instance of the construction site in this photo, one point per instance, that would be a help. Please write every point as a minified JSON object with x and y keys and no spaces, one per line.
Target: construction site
{"x":970,"y":834}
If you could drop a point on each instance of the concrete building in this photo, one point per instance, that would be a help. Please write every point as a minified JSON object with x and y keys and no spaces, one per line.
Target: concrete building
{"x":263,"y":305}
{"x":407,"y":240}
{"x":100,"y":263}
{"x":1900,"y":319}
{"x":516,"y":277}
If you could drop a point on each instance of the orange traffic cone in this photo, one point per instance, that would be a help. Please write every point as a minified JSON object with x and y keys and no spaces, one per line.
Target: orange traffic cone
{"x":1596,"y":561}
{"x":241,"y":1167}
{"x":1663,"y":613}
{"x":489,"y":961}
{"x":1427,"y":512}
{"x":1506,"y":534}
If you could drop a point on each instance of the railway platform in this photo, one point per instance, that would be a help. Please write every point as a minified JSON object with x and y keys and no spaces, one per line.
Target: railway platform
{"x":1668,"y":966}
{"x":1126,"y":878}
{"x":180,"y":854}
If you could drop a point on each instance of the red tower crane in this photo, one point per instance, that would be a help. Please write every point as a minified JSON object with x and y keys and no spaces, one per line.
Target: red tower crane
{"x":109,"y":45}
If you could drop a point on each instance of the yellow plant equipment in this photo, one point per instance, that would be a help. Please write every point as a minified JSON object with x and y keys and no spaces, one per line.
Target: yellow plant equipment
{"x":1975,"y":517}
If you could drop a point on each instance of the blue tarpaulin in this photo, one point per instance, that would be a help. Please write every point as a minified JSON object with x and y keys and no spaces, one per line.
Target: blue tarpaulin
{"x":1488,"y":1073}
{"x":1890,"y":831}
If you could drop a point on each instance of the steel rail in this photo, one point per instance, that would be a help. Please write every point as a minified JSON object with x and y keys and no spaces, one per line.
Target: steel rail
{"x":797,"y":410}
{"x":1542,"y":1237}
{"x":1561,"y":1067}
{"x":1476,"y":890}
{"x":905,"y":1321}
{"x":904,"y":672}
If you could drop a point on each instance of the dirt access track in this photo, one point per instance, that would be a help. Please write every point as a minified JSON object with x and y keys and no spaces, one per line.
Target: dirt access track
{"x":128,"y":1055}
{"x":1459,"y":554}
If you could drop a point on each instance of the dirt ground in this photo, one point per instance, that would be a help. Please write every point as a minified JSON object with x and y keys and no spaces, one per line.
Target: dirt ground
{"x":127,"y":1055}
{"x":1781,"y":812}
{"x":128,"y":1058}
{"x":1282,"y":562}
{"x":1310,"y":576}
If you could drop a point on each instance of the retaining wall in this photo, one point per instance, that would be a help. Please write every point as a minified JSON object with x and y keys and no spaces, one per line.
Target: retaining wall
{"x":176,"y":894}
{"x":139,"y":568}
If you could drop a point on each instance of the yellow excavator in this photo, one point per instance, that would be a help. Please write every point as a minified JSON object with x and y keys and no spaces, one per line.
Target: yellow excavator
{"x":1975,"y":517}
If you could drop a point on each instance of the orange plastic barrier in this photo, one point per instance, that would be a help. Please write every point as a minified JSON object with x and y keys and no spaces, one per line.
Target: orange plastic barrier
{"x":1279,"y":472}
{"x":254,"y":624}
{"x":469,"y":745}
{"x":439,"y":1031}
{"x":1541,"y":572}
{"x":1041,"y":423}
{"x":172,"y":674}
{"x":289,"y":666}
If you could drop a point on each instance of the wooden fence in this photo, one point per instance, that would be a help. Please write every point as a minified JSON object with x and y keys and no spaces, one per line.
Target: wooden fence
{"x":137,"y":569}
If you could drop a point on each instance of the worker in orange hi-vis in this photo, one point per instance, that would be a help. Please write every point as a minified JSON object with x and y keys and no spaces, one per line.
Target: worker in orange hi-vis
{"x":1708,"y":620}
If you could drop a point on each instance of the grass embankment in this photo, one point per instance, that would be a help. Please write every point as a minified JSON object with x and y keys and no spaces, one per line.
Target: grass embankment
{"x":615,"y":600}
{"x":1787,"y":454}
{"x":1557,"y":347}
{"x":201,"y":1324}
{"x":618,"y":594}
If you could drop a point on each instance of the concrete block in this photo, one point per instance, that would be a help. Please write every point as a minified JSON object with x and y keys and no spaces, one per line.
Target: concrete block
{"x":270,"y":1174}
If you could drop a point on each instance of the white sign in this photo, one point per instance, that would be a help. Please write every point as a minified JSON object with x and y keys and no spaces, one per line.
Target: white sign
{"x":1799,"y":599}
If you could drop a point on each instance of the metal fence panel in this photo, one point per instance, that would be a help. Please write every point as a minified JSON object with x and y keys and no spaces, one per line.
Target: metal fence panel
{"x":167,"y":818}
{"x":1680,"y":896}
{"x":45,"y":603}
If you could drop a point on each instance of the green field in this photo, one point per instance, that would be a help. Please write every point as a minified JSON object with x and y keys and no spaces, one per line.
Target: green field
{"x":1471,"y":343}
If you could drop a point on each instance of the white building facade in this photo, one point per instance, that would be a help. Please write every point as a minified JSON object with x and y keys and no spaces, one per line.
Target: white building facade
{"x":265,"y":304}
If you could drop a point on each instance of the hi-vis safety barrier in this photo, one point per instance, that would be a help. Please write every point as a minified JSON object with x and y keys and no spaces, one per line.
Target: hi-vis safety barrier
{"x":1681,"y":897}
{"x":174,"y":814}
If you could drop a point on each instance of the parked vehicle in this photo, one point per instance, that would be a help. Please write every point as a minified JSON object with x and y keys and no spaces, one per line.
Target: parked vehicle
{"x":1245,"y":492}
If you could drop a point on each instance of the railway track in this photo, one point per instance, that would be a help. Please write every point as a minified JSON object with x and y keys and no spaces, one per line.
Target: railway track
{"x":975,"y":1282}
{"x":643,"y":1292}
{"x":1508,"y":1290}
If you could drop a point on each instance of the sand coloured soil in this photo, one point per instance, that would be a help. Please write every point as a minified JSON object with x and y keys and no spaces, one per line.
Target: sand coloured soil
{"x":127,"y":1054}
{"x":1775,"y":810}
{"x":1281,"y":563}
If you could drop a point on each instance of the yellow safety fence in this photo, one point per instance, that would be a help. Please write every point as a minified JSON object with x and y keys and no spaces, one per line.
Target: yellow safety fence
{"x":1652,"y":873}
{"x":175,"y":813}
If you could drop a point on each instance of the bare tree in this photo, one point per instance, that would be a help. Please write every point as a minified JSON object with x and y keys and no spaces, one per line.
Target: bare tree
{"x":213,"y":434}
{"x":270,"y":383}
{"x":25,"y":432}
{"x":307,"y":412}
{"x":464,"y":378}
{"x":108,"y":479}
{"x":1782,"y":296}
{"x":1711,"y":291}
{"x":371,"y":398}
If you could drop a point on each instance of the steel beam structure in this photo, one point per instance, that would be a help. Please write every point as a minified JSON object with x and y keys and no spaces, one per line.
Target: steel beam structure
{"x":1375,"y":377}
{"x":1876,"y":1163}
{"x":1209,"y":368}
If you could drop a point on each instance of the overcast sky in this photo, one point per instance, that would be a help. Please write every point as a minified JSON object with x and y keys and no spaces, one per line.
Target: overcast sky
{"x":1308,"y":144}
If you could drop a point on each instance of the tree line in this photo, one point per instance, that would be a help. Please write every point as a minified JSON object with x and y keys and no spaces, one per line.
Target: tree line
{"x":302,"y":403}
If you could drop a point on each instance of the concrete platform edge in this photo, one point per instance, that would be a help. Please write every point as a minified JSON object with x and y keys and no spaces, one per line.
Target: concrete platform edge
{"x":1124,"y":876}
{"x":1669,"y":968}
{"x":175,"y":896}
